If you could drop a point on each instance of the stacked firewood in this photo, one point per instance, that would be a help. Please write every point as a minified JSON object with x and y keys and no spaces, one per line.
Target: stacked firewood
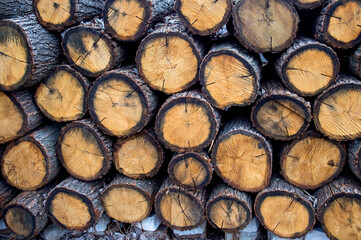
{"x":202,"y":111}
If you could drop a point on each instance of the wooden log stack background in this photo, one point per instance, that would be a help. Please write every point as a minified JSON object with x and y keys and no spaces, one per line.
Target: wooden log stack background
{"x":199,"y":111}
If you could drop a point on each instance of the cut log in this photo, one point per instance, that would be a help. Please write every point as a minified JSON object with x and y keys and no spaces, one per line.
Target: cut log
{"x":338,"y":208}
{"x":191,"y":170}
{"x":139,"y":156}
{"x":308,"y":4}
{"x":285,"y":210}
{"x":129,"y":20}
{"x":30,"y":162}
{"x":129,"y":200}
{"x":339,"y":24}
{"x":230,"y":76}
{"x":75,"y":205}
{"x":15,"y":8}
{"x":18,"y":115}
{"x":121,"y":103}
{"x":203,"y":17}
{"x":187,"y":122}
{"x":354,"y":157}
{"x":7,"y":193}
{"x":312,"y":161}
{"x":62,"y":96}
{"x":228,"y":209}
{"x":337,"y":112}
{"x":28,"y":53}
{"x":57,"y":15}
{"x":168,"y":59}
{"x":354,"y":62}
{"x":265,"y":25}
{"x":84,"y":151}
{"x":90,"y":50}
{"x":308,"y":67}
{"x":280,"y":114}
{"x":242,"y":157}
{"x":178,"y":208}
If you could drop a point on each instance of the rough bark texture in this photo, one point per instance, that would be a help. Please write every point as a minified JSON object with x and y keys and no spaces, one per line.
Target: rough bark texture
{"x":355,"y":62}
{"x":15,"y":8}
{"x":354,"y":157}
{"x":7,"y":193}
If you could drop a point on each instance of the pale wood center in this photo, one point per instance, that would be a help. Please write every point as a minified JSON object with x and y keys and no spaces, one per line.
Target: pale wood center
{"x":190,"y":171}
{"x":20,"y":221}
{"x":54,"y":11}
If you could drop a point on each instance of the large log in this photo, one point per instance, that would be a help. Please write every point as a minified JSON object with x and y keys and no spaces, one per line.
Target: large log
{"x":230,"y":75}
{"x":30,"y":162}
{"x":337,"y":112}
{"x":187,"y":122}
{"x":18,"y":115}
{"x":242,"y":157}
{"x":339,"y":208}
{"x":354,"y":157}
{"x":15,"y":8}
{"x":28,"y":53}
{"x":84,"y":151}
{"x":7,"y":193}
{"x":168,"y":58}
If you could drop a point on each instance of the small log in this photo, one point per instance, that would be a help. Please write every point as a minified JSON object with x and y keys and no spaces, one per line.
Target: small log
{"x":139,"y":156}
{"x":84,"y":151}
{"x":259,"y":26}
{"x":178,"y":208}
{"x":28,"y":53}
{"x":285,"y":210}
{"x":228,"y":209}
{"x":354,"y":157}
{"x":90,"y":50}
{"x":308,"y":4}
{"x":168,"y":59}
{"x":203,"y":17}
{"x":121,"y":103}
{"x":312,"y":161}
{"x":308,"y":67}
{"x":7,"y":193}
{"x":338,"y":208}
{"x":129,"y":20}
{"x":128,"y":200}
{"x":75,"y":205}
{"x":191,"y":170}
{"x":15,"y":8}
{"x":338,"y":24}
{"x":242,"y":157}
{"x":354,"y":62}
{"x":57,"y":15}
{"x":230,"y":76}
{"x":280,"y":114}
{"x":30,"y":162}
{"x":18,"y":115}
{"x":337,"y":112}
{"x":187,"y":122}
{"x":62,"y":96}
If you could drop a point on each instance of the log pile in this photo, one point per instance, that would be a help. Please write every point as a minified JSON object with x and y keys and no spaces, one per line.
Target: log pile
{"x":180,"y":118}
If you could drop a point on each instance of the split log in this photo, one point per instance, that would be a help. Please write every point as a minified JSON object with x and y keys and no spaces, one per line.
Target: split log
{"x":121,"y":103}
{"x":28,"y":53}
{"x":129,"y":20}
{"x":280,"y":114}
{"x":307,"y":4}
{"x":259,"y":25}
{"x":84,"y":151}
{"x":312,"y":161}
{"x":168,"y":59}
{"x":90,"y":50}
{"x":18,"y":115}
{"x":203,"y":17}
{"x":285,"y":210}
{"x":228,"y":209}
{"x":186,"y":122}
{"x":75,"y":205}
{"x":62,"y":96}
{"x":354,"y":157}
{"x":338,"y":208}
{"x":191,"y":170}
{"x":230,"y":76}
{"x":129,"y":200}
{"x":354,"y":62}
{"x":337,"y":112}
{"x":338,"y":24}
{"x":57,"y":15}
{"x":179,"y":208}
{"x":308,"y":67}
{"x":242,"y":157}
{"x":139,"y":156}
{"x":7,"y":193}
{"x":15,"y":8}
{"x":30,"y":162}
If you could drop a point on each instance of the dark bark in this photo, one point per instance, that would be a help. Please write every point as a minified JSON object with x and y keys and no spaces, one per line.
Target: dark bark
{"x":354,"y":157}
{"x":15,"y":8}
